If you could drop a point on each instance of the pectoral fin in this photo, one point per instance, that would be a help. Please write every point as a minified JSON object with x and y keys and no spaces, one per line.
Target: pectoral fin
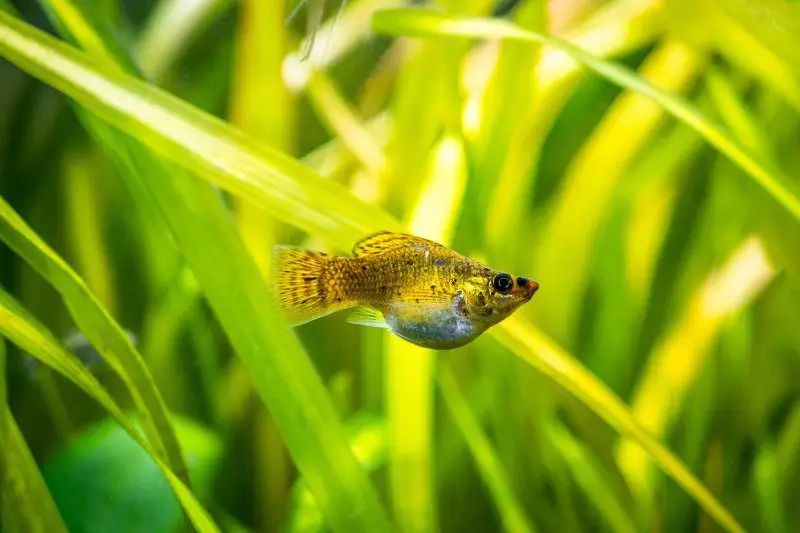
{"x":367,"y":316}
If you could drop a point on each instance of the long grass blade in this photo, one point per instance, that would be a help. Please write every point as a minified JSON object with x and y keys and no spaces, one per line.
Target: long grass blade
{"x":567,"y":242}
{"x":423,"y":23}
{"x":140,"y":109}
{"x":761,"y":38}
{"x":102,"y":331}
{"x":281,"y":372}
{"x":201,"y":143}
{"x":368,"y":440}
{"x":542,"y":353}
{"x":679,"y":357}
{"x":408,"y":368}
{"x":23,"y":330}
{"x":26,"y":503}
{"x":261,"y":45}
{"x":489,"y":465}
{"x":171,"y":28}
{"x":588,"y":474}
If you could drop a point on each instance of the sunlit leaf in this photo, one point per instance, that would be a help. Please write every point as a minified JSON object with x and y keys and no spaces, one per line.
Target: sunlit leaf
{"x":542,"y":353}
{"x":422,"y":23}
{"x":281,"y":372}
{"x":21,"y":329}
{"x":679,"y":356}
{"x":193,"y":139}
{"x":234,"y":163}
{"x":104,"y":333}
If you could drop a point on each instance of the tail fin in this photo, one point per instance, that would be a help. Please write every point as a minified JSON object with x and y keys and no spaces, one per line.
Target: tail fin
{"x":296,"y":274}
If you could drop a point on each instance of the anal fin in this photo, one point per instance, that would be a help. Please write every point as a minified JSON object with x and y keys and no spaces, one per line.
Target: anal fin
{"x":367,"y":316}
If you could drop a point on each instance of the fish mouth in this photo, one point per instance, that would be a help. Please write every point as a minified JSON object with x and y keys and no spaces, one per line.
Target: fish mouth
{"x":528,"y":286}
{"x":533,"y":288}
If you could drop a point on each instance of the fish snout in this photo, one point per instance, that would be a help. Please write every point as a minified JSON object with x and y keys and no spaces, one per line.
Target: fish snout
{"x":528,"y":286}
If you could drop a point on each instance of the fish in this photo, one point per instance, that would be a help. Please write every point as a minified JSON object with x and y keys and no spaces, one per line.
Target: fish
{"x":420,"y":290}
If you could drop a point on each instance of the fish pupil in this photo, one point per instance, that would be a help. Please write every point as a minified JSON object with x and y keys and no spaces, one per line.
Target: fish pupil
{"x":502,"y":283}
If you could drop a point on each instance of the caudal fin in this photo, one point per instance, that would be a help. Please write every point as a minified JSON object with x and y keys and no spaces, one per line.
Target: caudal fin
{"x":296,"y":274}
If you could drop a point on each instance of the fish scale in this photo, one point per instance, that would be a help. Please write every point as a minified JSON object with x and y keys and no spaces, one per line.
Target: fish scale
{"x":422,"y":291}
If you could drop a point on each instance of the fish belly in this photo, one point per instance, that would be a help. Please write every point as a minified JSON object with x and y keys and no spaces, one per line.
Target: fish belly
{"x":439,"y":329}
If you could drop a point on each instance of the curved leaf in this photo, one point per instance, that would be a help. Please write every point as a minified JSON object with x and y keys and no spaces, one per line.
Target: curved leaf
{"x":24,"y":331}
{"x":281,"y":372}
{"x":423,"y":23}
{"x":25,"y":503}
{"x":298,"y":196}
{"x":201,"y":143}
{"x":103,"y":332}
{"x":537,"y":349}
{"x":489,"y":465}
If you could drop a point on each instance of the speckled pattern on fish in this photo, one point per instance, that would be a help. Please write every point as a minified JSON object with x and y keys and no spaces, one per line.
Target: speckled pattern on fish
{"x":420,"y":290}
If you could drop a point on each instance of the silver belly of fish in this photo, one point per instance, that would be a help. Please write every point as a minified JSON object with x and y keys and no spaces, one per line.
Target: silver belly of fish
{"x":440,"y":328}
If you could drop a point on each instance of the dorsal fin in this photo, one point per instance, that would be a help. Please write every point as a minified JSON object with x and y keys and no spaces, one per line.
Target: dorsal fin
{"x":379,"y":243}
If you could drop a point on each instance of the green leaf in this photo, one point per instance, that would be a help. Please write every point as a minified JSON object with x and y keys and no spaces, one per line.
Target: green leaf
{"x":185,"y":135}
{"x":489,"y":465}
{"x":103,"y":463}
{"x":760,"y":37}
{"x":193,"y":139}
{"x":279,"y":368}
{"x":423,"y":23}
{"x":26,"y":503}
{"x":676,"y":361}
{"x":542,"y":353}
{"x":590,"y":476}
{"x":368,"y":441}
{"x":21,"y":329}
{"x":409,"y":369}
{"x":172,"y":27}
{"x":103,"y":332}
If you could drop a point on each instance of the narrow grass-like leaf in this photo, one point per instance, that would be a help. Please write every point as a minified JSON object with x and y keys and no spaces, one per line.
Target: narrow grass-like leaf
{"x":409,"y":369}
{"x":333,"y":40}
{"x":770,"y":492}
{"x":567,"y":242}
{"x":280,"y":370}
{"x":261,"y":45}
{"x":788,"y":449}
{"x":330,"y":217}
{"x":736,"y":116}
{"x":677,"y":360}
{"x":342,"y":120}
{"x":26,"y":504}
{"x":193,"y":139}
{"x":20,"y":328}
{"x":760,"y":37}
{"x":489,"y":465}
{"x":542,"y":353}
{"x":423,"y":23}
{"x":368,"y":440}
{"x":84,"y":206}
{"x":588,"y":475}
{"x":102,"y":331}
{"x":171,"y":29}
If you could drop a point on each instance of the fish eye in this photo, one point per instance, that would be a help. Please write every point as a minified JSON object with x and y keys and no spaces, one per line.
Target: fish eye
{"x":502,"y":283}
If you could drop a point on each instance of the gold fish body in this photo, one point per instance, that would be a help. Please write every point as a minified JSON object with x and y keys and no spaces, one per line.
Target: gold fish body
{"x":420,"y":290}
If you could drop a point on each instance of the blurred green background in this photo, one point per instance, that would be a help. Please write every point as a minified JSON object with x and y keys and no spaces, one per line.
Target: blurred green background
{"x":666,"y":331}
